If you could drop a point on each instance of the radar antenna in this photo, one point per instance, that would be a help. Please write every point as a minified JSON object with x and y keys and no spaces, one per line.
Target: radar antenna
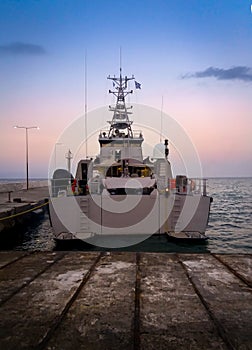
{"x":120,"y":118}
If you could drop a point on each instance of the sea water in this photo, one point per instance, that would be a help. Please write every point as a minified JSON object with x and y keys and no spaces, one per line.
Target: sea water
{"x":229,"y":229}
{"x":230,"y":222}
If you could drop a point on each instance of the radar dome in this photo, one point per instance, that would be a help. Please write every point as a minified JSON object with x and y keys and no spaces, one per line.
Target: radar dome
{"x":159,"y":151}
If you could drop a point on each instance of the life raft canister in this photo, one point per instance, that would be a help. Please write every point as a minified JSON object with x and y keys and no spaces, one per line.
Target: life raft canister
{"x":172,"y":184}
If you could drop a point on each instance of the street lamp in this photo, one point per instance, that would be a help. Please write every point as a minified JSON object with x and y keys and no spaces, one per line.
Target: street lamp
{"x":69,"y":156}
{"x":26,"y":144}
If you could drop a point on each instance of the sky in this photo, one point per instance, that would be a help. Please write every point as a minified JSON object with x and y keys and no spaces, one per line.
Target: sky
{"x":193,"y":59}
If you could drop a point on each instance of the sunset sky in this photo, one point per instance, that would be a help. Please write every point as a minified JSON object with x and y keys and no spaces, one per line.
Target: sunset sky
{"x":196,"y":55}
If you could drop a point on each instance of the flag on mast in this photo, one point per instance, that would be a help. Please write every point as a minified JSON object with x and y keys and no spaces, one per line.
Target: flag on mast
{"x":137,"y":85}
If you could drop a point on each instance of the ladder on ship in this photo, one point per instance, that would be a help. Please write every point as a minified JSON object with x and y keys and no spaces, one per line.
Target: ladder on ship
{"x":176,"y":211}
{"x":162,"y":175}
{"x":84,"y":220}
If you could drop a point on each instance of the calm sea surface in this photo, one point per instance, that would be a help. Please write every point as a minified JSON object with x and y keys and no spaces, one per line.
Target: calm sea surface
{"x":229,"y":230}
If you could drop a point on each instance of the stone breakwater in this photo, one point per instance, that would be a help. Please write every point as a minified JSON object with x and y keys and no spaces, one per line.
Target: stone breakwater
{"x":21,"y":185}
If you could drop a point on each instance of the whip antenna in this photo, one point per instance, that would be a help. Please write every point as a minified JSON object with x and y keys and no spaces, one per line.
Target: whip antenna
{"x":161,"y":119}
{"x":85,"y":107}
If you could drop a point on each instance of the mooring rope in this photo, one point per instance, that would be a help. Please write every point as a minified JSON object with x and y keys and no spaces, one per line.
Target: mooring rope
{"x":24,"y":212}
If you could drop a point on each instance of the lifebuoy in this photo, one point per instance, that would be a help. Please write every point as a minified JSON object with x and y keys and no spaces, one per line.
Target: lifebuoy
{"x":74,"y":185}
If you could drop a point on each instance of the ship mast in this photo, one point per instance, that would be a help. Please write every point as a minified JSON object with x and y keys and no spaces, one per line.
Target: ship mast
{"x":120,"y":120}
{"x":120,"y":142}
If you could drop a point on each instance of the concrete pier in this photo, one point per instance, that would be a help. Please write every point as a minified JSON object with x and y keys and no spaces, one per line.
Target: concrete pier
{"x":121,"y":300}
{"x":16,"y":206}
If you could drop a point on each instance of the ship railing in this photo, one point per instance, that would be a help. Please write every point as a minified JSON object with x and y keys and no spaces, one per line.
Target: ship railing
{"x":188,"y":186}
{"x":95,"y":187}
{"x":193,"y":186}
{"x":137,"y":134}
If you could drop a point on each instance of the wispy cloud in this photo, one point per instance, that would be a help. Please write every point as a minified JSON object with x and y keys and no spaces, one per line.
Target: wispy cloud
{"x":20,"y":48}
{"x":235,"y":73}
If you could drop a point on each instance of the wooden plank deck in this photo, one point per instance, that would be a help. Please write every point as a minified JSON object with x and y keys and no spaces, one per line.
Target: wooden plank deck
{"x":125,"y":300}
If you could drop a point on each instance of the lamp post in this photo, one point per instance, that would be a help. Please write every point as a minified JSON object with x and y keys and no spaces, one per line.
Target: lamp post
{"x":69,"y":156}
{"x":26,"y":146}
